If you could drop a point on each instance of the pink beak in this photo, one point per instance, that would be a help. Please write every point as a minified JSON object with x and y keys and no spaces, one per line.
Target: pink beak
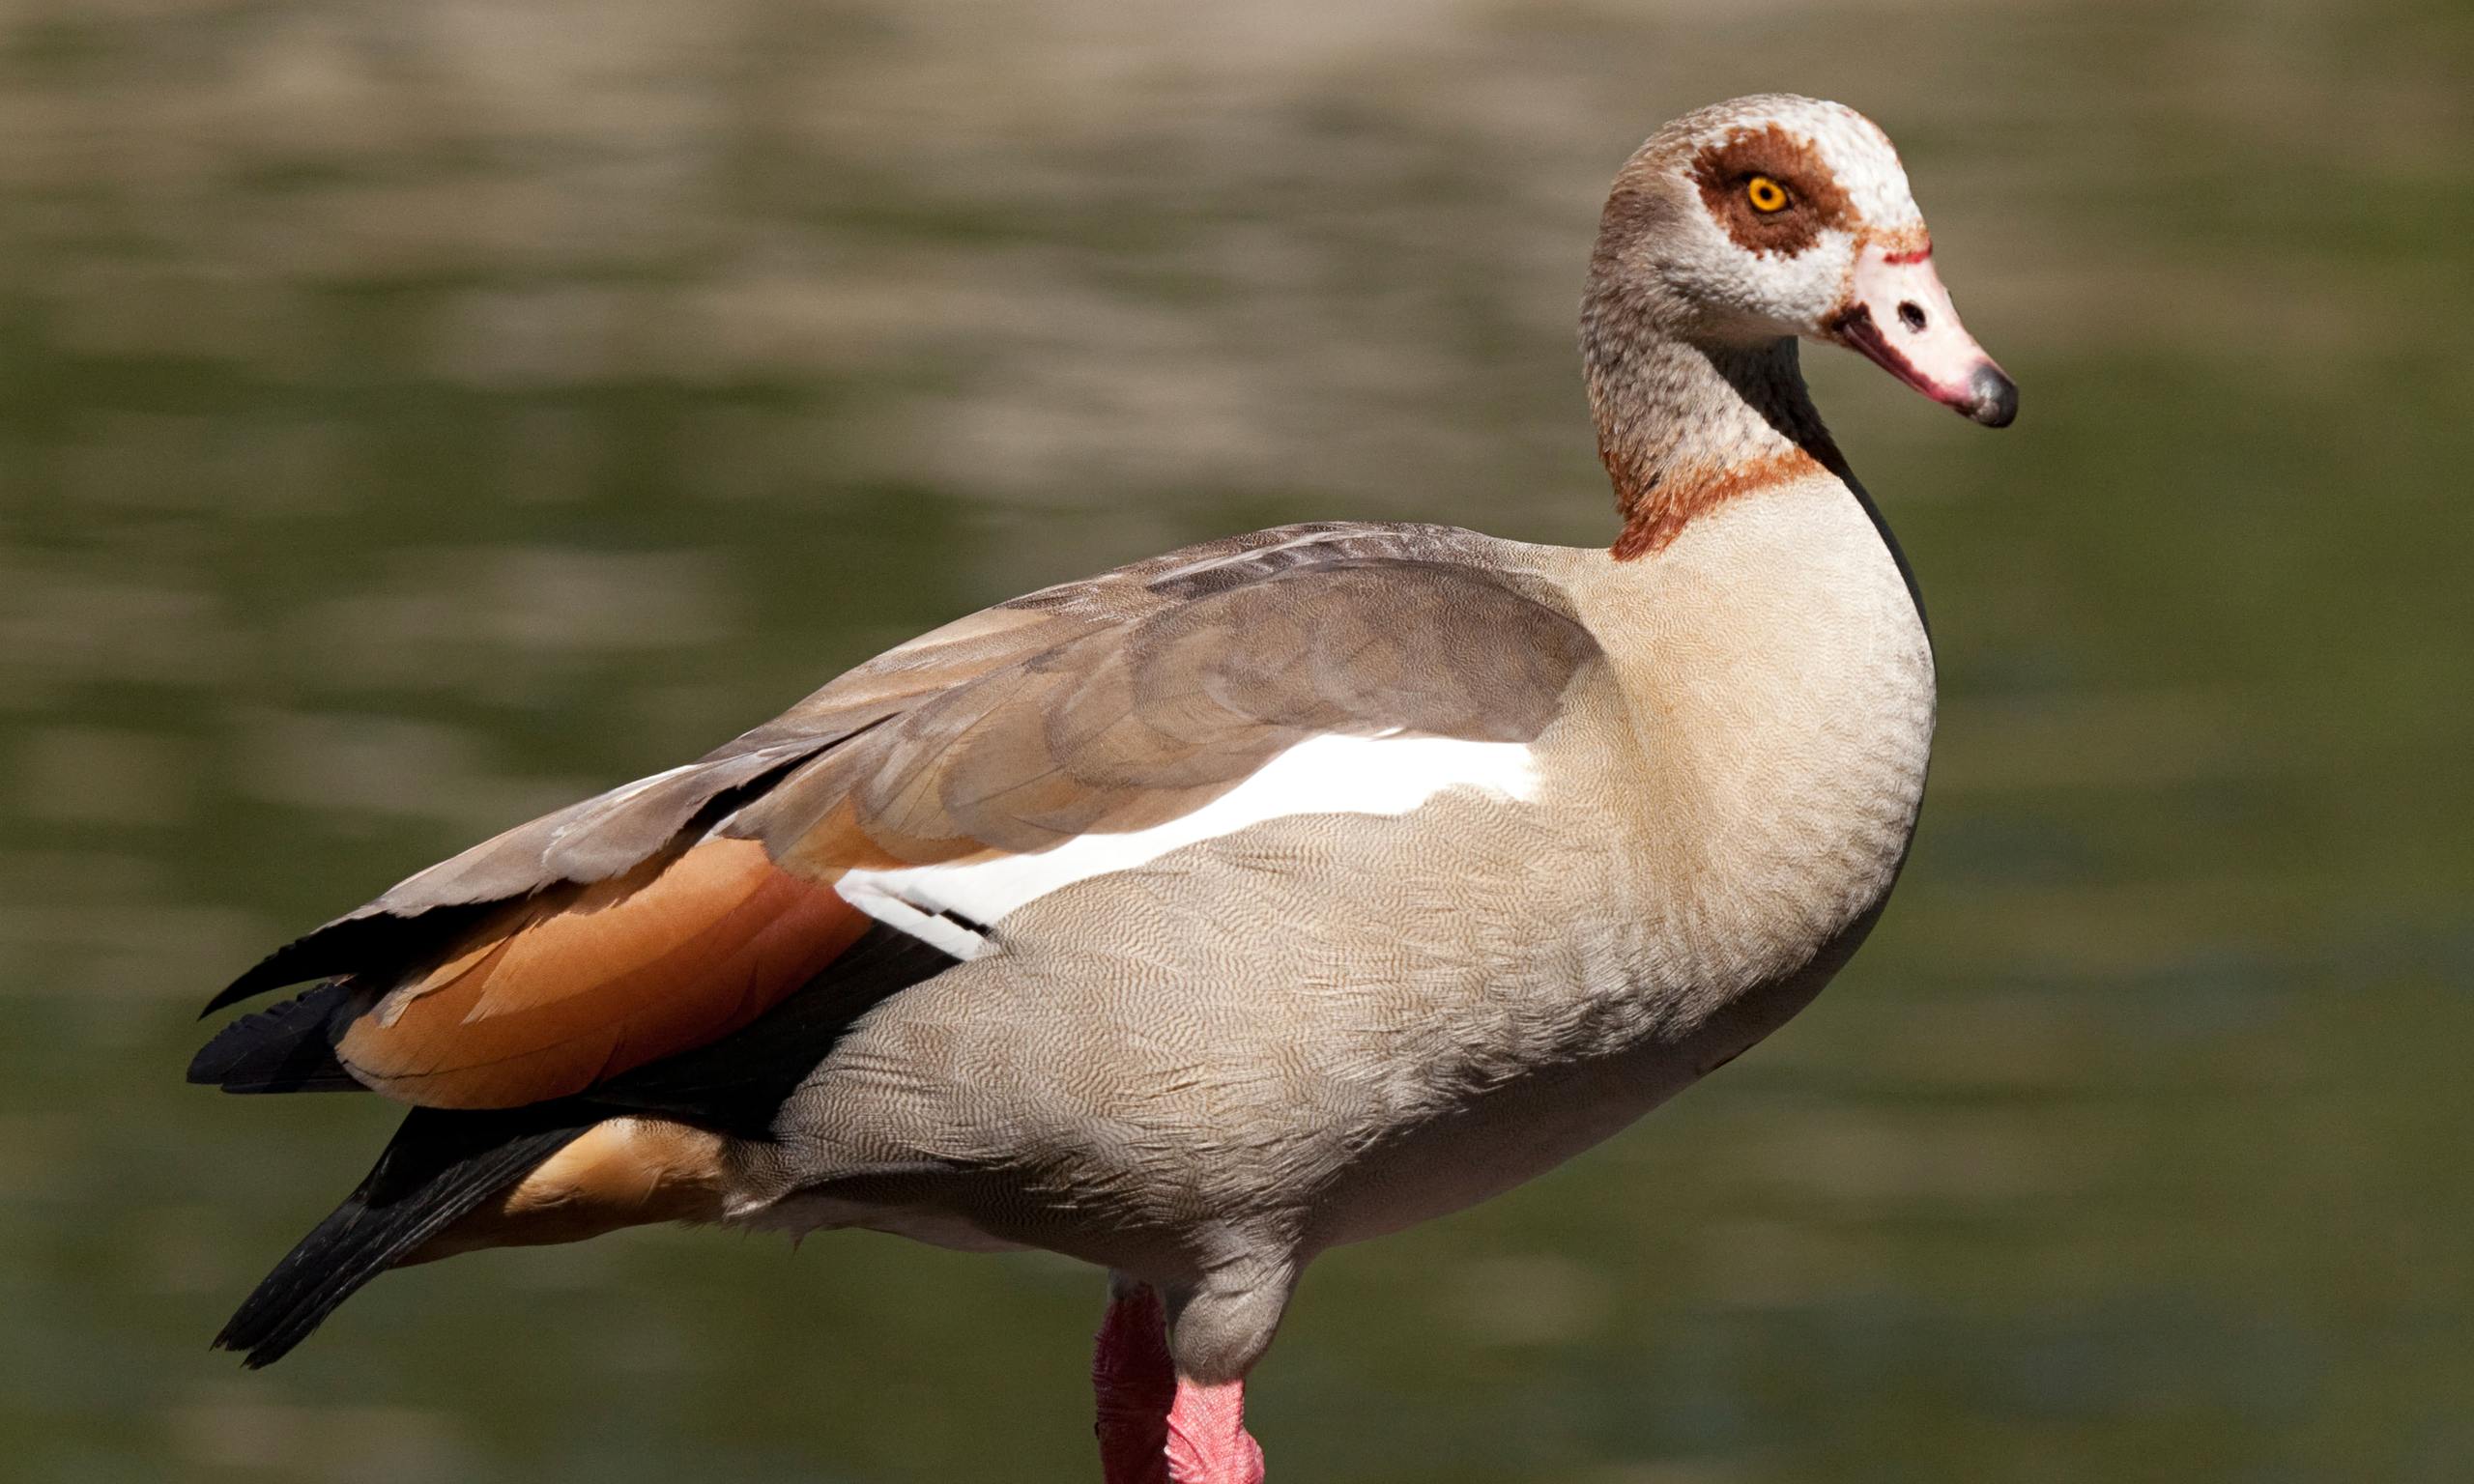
{"x":1899,"y":316}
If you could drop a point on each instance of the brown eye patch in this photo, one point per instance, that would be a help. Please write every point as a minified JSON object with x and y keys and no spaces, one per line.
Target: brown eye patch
{"x":1727,"y":173}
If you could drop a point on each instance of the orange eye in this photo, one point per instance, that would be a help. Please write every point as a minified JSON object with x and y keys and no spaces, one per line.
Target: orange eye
{"x":1765,"y":194}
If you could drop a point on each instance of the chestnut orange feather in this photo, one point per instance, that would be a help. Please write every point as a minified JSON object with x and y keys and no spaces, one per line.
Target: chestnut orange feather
{"x":561,"y":991}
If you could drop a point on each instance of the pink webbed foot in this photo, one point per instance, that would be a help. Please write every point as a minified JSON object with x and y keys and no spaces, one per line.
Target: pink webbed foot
{"x":1207,"y":1438}
{"x":1154,"y":1426}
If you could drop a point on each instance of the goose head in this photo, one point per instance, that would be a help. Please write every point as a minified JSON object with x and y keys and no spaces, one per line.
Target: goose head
{"x":1775,"y":215}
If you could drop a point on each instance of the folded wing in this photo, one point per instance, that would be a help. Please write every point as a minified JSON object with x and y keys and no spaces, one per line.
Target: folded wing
{"x":1059,"y":737}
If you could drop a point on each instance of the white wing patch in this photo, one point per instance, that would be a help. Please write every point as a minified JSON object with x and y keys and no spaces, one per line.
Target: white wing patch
{"x":1327,"y":775}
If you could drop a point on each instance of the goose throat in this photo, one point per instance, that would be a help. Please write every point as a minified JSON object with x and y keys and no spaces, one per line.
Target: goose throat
{"x":1683,"y":429}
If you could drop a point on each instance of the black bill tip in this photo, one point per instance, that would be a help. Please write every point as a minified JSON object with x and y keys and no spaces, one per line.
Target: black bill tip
{"x":1992,"y":398}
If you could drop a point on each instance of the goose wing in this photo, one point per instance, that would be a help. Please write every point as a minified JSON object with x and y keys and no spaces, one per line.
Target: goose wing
{"x":1044,"y":740}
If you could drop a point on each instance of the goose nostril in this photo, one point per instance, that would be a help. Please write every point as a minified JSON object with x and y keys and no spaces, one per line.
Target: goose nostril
{"x":1911,"y":314}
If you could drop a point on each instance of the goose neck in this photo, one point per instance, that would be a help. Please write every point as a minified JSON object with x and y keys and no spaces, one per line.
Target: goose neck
{"x":1683,"y":426}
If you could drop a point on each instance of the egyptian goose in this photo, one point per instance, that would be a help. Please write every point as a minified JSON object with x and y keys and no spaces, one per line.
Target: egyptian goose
{"x":1206,"y":914}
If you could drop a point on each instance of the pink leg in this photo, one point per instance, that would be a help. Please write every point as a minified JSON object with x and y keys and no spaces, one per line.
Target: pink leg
{"x":1136,"y":1384}
{"x":1155,"y":1426}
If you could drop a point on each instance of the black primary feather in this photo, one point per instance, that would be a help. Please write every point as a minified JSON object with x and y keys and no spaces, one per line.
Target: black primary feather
{"x":285,"y":1048}
{"x":351,"y":944}
{"x":439,"y":1165}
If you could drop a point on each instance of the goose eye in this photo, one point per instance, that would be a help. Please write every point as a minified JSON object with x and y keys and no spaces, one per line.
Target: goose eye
{"x":1766,"y":194}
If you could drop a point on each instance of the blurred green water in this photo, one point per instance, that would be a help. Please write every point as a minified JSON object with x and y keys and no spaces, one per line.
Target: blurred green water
{"x":413,"y":418}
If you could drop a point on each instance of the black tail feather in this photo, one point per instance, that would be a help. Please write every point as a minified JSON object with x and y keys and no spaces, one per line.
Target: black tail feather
{"x":439,"y":1166}
{"x":285,"y":1048}
{"x":443,"y":1163}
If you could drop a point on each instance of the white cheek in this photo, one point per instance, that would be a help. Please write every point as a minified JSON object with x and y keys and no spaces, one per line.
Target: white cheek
{"x":1330,"y":775}
{"x":1769,"y":293}
{"x":1800,"y":291}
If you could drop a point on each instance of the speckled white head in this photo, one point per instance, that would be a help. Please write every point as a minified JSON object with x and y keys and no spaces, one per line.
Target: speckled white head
{"x":1775,"y":215}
